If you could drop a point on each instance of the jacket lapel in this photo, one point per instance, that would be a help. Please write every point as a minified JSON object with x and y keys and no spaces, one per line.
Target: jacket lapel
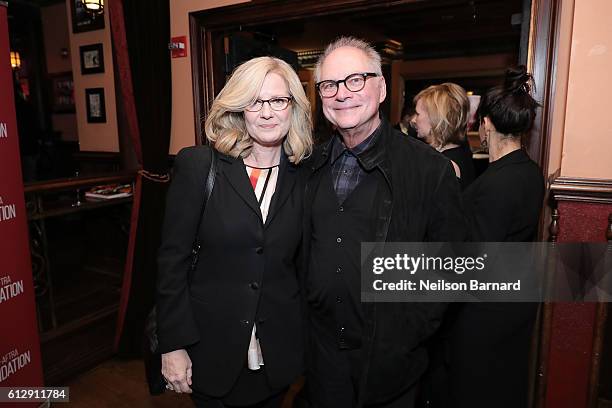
{"x":287,"y":175}
{"x":235,"y":173}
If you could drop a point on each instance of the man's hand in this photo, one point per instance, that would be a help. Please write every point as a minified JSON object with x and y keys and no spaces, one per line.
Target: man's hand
{"x":176,"y":369}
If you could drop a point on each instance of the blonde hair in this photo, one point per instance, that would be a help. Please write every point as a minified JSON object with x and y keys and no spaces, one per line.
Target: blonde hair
{"x":225,"y":126}
{"x":448,"y":108}
{"x":345,"y":41}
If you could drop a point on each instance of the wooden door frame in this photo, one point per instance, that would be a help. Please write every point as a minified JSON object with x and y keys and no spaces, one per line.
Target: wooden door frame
{"x":542,"y":56}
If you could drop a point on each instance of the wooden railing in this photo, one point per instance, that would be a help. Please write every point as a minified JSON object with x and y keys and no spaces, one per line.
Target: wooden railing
{"x":78,"y":250}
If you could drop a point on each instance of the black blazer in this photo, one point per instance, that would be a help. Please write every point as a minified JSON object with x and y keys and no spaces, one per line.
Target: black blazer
{"x":504,"y":203}
{"x":246,"y":273}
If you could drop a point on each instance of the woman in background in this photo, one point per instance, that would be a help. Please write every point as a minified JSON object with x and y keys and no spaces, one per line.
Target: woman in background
{"x":231,"y":333}
{"x":405,"y":124}
{"x":490,"y":342}
{"x":441,"y":119}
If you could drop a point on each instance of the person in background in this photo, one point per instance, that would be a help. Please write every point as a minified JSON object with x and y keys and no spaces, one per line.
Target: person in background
{"x":441,"y":118}
{"x":369,"y":183}
{"x":490,"y":342}
{"x":231,"y":333}
{"x":405,"y":123}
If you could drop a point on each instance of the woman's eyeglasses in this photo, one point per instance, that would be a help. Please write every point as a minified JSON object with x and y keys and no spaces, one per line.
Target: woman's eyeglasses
{"x":276,"y":104}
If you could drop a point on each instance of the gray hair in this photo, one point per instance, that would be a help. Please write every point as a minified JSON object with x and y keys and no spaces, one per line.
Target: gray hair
{"x":372,"y":55}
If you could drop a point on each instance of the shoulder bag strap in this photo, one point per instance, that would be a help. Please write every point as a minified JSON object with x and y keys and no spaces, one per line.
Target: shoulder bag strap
{"x":208,"y":188}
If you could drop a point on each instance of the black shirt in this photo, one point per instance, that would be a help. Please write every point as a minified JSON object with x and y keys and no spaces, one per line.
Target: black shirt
{"x":346,"y":169}
{"x":341,"y":220}
{"x":462,"y":156}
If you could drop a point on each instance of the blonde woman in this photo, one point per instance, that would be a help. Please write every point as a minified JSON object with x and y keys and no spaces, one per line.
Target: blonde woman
{"x":441,"y":120}
{"x":231,"y":333}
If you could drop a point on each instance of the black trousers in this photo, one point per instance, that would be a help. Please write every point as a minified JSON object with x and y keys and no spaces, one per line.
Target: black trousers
{"x":273,"y":402}
{"x":489,"y":355}
{"x":250,"y":390}
{"x":333,"y":379}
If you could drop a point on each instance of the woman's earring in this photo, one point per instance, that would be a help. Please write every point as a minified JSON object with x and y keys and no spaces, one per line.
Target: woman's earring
{"x":485,"y":142}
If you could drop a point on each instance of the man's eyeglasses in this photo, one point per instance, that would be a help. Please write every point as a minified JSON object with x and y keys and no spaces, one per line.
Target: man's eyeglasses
{"x":353,"y":82}
{"x":276,"y":104}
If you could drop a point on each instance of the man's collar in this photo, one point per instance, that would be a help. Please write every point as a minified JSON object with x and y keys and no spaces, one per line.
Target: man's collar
{"x":369,"y":159}
{"x":374,"y":154}
{"x":338,"y":147}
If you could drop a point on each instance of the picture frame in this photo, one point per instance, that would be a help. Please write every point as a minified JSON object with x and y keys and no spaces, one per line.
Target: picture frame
{"x":95,"y":105}
{"x":83,"y":20}
{"x":62,"y":92}
{"x":92,"y":59}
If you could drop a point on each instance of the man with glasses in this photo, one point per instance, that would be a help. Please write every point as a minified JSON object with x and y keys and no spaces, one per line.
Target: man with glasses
{"x":369,"y":183}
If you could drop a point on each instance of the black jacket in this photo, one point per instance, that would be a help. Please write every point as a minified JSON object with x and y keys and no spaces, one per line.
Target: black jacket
{"x":246,"y":273}
{"x":504,"y":203}
{"x":420,"y":201}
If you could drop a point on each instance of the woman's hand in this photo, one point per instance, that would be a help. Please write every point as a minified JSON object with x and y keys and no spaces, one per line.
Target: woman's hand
{"x":176,"y":369}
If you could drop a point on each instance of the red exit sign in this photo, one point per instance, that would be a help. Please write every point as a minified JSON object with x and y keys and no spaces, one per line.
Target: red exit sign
{"x":178,"y":46}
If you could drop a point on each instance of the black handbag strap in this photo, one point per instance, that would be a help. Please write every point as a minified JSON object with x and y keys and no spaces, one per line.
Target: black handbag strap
{"x":208,"y":188}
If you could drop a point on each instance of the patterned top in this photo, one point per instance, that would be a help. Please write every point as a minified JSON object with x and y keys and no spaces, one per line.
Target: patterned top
{"x":346,"y":169}
{"x":263,"y":181}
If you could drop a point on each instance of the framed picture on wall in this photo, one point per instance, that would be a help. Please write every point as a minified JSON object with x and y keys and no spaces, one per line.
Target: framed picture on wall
{"x":92,"y":59}
{"x":62,"y":92}
{"x":83,"y":20}
{"x":95,"y":105}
